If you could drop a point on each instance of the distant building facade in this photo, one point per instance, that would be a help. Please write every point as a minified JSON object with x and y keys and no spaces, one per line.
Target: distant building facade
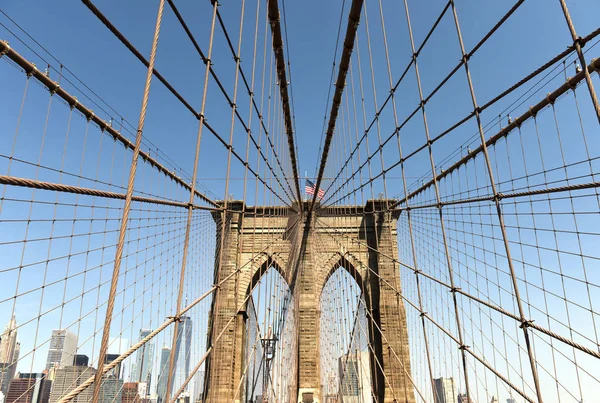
{"x":9,"y":354}
{"x":183,"y":353}
{"x":163,"y":374}
{"x":116,"y":371}
{"x":134,"y":392}
{"x":63,"y":346}
{"x":81,"y":360}
{"x":29,"y":388}
{"x":145,"y":359}
{"x":462,"y":398}
{"x":68,"y":378}
{"x":354,"y":377}
{"x":111,"y":390}
{"x":444,"y":390}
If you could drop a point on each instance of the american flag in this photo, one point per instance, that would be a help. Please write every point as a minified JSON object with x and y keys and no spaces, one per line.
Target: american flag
{"x":309,"y":188}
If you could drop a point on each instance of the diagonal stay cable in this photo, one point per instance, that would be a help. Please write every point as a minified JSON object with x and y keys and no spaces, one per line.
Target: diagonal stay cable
{"x":283,"y":90}
{"x":246,"y":127}
{"x":161,"y":78}
{"x":353,"y":21}
{"x":483,"y":107}
{"x":55,"y":88}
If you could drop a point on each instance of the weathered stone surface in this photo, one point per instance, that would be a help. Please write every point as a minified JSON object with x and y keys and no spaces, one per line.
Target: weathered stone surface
{"x":361,"y":239}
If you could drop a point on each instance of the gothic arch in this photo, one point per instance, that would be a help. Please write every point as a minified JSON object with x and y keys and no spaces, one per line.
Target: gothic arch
{"x":349,"y":263}
{"x":267,"y":261}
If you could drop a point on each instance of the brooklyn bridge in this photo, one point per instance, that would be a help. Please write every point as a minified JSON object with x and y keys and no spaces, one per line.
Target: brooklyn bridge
{"x":268,"y":201}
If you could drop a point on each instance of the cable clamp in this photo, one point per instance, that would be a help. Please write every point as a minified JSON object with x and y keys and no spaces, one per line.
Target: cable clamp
{"x":32,"y":72}
{"x":464,"y":347}
{"x":175,"y":318}
{"x":526,"y":323}
{"x":571,"y":84}
{"x":207,"y":61}
{"x":53,"y":90}
{"x":423,"y":314}
{"x":466,"y":58}
{"x":454,"y":289}
{"x":498,"y":197}
{"x":6,"y":49}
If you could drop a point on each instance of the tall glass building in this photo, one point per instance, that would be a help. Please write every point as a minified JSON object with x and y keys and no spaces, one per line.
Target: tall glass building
{"x":144,"y":361}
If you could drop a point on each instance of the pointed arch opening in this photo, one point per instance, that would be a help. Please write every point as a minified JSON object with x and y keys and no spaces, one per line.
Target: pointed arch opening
{"x":269,"y":342}
{"x":345,"y":356}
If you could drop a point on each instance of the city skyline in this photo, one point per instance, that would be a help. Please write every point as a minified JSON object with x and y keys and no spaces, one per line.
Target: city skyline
{"x":63,"y":354}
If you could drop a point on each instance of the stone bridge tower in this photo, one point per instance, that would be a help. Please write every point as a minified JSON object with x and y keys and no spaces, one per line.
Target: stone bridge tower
{"x":257,"y":238}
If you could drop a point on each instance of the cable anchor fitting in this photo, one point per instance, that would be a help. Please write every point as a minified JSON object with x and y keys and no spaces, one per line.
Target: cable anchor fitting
{"x":526,"y":323}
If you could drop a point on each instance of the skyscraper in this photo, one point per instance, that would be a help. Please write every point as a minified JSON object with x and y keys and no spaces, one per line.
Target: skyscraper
{"x":198,"y":386}
{"x":348,"y":375}
{"x":134,"y":392}
{"x":163,"y":371}
{"x":29,"y":388}
{"x":145,"y":359}
{"x":81,"y":360}
{"x":9,"y":354}
{"x":462,"y":398}
{"x":511,"y":400}
{"x":354,"y":375}
{"x":63,"y":345}
{"x":444,"y":390}
{"x":116,"y":371}
{"x":111,"y":390}
{"x":182,"y":352}
{"x":67,"y":379}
